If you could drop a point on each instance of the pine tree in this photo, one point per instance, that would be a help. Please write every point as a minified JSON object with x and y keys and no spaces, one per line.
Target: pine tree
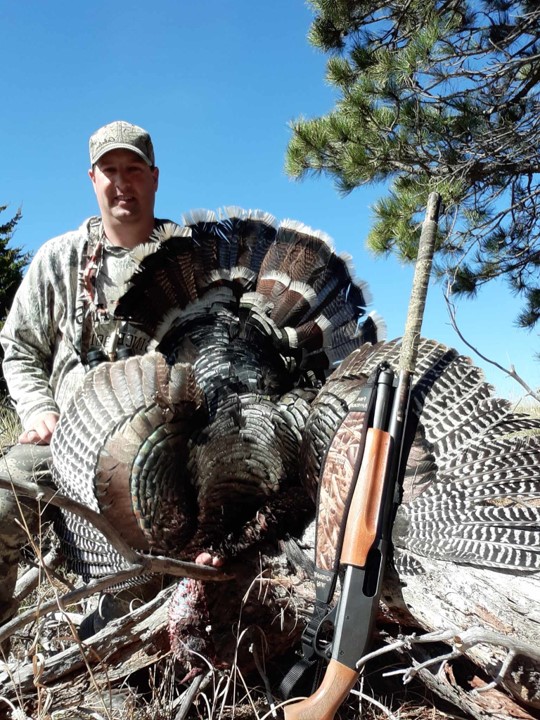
{"x":12,"y":263}
{"x":437,"y":95}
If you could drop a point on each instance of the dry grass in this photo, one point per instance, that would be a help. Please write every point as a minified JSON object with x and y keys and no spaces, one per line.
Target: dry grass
{"x":532,"y":409}
{"x":10,"y":427}
{"x":526,"y":405}
{"x":157,"y":693}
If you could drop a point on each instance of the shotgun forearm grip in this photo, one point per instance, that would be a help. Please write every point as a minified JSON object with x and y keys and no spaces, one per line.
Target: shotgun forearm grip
{"x":365,"y":510}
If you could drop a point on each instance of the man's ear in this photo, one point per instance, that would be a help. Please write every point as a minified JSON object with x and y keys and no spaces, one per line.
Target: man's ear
{"x":155,"y":172}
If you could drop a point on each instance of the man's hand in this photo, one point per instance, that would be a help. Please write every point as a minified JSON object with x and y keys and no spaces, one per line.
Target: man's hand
{"x":42,"y":429}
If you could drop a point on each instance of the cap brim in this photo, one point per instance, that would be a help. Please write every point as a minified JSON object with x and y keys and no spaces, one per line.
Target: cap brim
{"x":119,"y":146}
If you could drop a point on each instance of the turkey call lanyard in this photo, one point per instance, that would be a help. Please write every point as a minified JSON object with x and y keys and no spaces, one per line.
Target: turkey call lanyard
{"x":94,"y":261}
{"x":92,"y":268}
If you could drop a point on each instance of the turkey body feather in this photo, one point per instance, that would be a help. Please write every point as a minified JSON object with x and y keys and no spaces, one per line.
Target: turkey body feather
{"x":180,"y":448}
{"x":120,"y":451}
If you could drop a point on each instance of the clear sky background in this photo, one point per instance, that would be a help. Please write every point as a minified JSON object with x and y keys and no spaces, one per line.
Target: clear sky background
{"x":216,"y":83}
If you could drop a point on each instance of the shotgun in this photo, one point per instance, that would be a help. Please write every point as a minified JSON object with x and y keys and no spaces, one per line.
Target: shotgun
{"x":375,"y":427}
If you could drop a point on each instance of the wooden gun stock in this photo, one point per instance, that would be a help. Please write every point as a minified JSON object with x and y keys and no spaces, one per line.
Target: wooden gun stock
{"x":338,"y":681}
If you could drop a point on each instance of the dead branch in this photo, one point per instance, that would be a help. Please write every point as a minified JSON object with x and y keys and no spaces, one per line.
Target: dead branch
{"x":511,"y":371}
{"x":239,"y":614}
{"x":460,"y":639}
{"x":31,"y":578}
{"x":187,"y":699}
{"x":137,"y":563}
{"x":114,"y":650}
{"x":80,"y":593}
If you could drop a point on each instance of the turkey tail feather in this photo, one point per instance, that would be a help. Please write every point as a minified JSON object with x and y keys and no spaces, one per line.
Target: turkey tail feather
{"x":285,"y":274}
{"x":471,"y":490}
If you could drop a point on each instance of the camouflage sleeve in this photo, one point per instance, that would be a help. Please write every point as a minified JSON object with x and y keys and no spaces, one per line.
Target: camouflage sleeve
{"x":36,"y":324}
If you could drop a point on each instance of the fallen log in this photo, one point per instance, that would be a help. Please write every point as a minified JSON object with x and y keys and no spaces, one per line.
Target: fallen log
{"x":471,"y":635}
{"x":489,"y":622}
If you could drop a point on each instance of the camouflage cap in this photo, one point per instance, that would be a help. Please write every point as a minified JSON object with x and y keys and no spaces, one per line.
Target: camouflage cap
{"x":121,"y":135}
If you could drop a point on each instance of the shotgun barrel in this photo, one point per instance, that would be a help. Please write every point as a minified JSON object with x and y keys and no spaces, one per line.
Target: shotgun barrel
{"x":369,"y":517}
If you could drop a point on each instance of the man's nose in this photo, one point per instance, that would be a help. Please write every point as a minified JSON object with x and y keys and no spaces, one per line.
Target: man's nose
{"x":122,"y":179}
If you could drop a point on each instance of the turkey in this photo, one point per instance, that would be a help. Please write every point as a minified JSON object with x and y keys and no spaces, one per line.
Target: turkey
{"x":214,"y":440}
{"x":192,"y":449}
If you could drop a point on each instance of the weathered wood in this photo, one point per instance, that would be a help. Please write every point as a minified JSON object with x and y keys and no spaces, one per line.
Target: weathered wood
{"x":458,"y":682}
{"x":268,"y":603}
{"x":505,"y":605}
{"x":265,"y":605}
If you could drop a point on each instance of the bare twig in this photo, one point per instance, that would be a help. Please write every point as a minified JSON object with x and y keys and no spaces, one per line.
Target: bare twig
{"x":460,"y":641}
{"x":31,"y":578}
{"x":372,"y":701}
{"x":191,"y":693}
{"x":69,"y":598}
{"x":511,"y":371}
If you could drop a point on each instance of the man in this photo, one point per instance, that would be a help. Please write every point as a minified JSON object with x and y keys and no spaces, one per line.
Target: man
{"x":63,"y":314}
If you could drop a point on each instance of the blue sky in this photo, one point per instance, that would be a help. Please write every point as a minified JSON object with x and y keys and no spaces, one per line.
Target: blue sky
{"x":216,"y":83}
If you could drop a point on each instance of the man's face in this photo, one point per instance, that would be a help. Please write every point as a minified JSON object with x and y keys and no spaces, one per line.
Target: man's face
{"x":125,"y":187}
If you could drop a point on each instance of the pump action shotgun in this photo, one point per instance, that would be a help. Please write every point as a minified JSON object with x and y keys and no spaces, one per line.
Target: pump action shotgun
{"x":368,"y":523}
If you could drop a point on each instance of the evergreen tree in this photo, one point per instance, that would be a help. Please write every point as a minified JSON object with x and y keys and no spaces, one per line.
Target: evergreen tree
{"x":437,"y":95}
{"x":12,"y":263}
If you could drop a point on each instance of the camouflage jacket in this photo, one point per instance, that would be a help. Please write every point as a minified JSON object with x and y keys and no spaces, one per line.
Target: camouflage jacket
{"x":52,"y":322}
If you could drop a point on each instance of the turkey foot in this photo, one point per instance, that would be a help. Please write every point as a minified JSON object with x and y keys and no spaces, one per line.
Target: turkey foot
{"x":205,"y":558}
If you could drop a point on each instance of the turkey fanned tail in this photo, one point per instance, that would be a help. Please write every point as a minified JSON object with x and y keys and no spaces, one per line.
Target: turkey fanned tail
{"x":194,"y":447}
{"x":283,"y":282}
